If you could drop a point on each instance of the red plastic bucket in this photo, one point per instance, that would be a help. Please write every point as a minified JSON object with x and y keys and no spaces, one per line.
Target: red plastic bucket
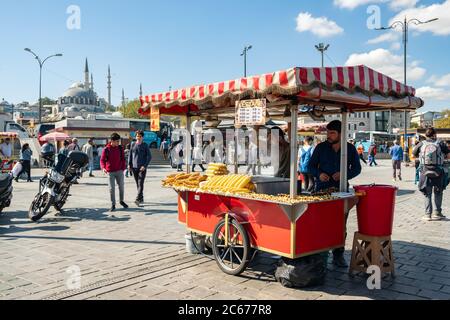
{"x":376,"y":209}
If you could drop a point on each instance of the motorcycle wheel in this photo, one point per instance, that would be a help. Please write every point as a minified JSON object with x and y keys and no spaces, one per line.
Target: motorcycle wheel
{"x":60,"y":204}
{"x":40,"y":206}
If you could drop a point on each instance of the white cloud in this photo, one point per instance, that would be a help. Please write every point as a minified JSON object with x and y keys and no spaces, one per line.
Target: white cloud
{"x":396,"y":46}
{"x":321,"y":27}
{"x":433,"y":93}
{"x":443,"y":81}
{"x":352,"y":4}
{"x":424,"y":13}
{"x":384,"y":61}
{"x":388,"y":36}
{"x":402,"y":4}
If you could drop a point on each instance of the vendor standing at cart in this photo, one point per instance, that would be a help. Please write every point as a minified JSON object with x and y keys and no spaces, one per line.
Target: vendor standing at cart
{"x":325,"y":165}
{"x":6,"y":148}
{"x":284,"y":151}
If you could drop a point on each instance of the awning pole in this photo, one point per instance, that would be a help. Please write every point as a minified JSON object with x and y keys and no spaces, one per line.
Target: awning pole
{"x":294,"y":152}
{"x":188,"y":143}
{"x":344,"y":151}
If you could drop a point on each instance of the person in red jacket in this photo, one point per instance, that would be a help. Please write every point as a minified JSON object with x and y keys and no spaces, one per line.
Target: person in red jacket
{"x":113,"y":164}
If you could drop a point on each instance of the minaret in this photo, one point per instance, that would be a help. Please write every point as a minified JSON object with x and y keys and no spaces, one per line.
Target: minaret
{"x":86,"y":76}
{"x":109,"y":87}
{"x":140,"y":91}
{"x":123,"y":98}
{"x":92,"y":82}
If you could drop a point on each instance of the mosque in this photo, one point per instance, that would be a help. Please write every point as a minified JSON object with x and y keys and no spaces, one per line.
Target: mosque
{"x":80,"y":99}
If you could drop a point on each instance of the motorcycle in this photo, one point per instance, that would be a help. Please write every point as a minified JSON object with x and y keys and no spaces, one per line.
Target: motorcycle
{"x":6,"y":190}
{"x":54,"y":187}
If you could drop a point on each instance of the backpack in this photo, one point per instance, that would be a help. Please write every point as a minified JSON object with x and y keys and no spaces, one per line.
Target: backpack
{"x":305,"y":157}
{"x":179,"y":149}
{"x":431,"y":154}
{"x":373,"y":151}
{"x":107,"y":153}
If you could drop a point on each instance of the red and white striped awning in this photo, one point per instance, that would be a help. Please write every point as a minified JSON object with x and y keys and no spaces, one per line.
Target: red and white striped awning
{"x":8,"y":135}
{"x":359,"y":87}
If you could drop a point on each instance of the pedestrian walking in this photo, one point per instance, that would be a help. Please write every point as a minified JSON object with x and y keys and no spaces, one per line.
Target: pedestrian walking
{"x":360,"y":150}
{"x":304,"y":155}
{"x":74,"y":145}
{"x":88,"y":148}
{"x":113,"y":164}
{"x":197,"y":155}
{"x":25,"y":160}
{"x":252,"y":156}
{"x":178,"y":153}
{"x":165,"y":148}
{"x":128,"y":173}
{"x":139,"y":159}
{"x":372,"y":154}
{"x":396,"y":153}
{"x":432,"y":154}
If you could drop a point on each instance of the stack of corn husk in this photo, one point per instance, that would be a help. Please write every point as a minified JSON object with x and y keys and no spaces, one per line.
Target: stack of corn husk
{"x":184,"y":181}
{"x":217,"y":169}
{"x":234,"y":184}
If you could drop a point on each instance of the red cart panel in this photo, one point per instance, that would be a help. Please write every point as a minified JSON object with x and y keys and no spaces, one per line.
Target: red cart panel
{"x":321,"y":227}
{"x":268,"y":226}
{"x":204,"y":212}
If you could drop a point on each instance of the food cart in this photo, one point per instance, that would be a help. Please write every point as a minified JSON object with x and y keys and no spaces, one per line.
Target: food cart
{"x":8,"y":163}
{"x":296,"y":227}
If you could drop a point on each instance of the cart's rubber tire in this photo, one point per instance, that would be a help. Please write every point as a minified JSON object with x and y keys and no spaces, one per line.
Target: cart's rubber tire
{"x":33,"y":212}
{"x":208,"y":246}
{"x":241,"y":252}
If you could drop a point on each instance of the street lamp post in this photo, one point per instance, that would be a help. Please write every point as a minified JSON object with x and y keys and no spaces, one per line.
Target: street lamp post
{"x":41,"y":64}
{"x":322,"y":48}
{"x":244,"y":53}
{"x":405,"y":27}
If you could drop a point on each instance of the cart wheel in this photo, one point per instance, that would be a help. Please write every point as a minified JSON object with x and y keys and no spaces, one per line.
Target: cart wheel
{"x":233,"y":256}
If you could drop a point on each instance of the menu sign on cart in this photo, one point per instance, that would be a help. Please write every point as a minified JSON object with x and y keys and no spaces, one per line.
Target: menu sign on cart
{"x":251,"y":112}
{"x":154,"y":119}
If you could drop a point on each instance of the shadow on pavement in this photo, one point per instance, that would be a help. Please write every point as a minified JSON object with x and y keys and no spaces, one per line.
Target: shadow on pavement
{"x":405,"y":192}
{"x":95,"y":240}
{"x":91,"y":214}
{"x":160,"y":211}
{"x":419,"y":269}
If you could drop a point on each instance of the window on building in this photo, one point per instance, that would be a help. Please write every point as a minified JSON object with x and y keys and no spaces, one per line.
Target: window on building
{"x":355,"y":127}
{"x":362,"y":124}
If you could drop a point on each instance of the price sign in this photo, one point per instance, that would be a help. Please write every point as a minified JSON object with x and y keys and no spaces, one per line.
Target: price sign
{"x":251,"y":112}
{"x":154,"y":119}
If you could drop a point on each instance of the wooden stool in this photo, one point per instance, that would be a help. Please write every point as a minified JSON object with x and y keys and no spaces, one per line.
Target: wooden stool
{"x":368,"y":250}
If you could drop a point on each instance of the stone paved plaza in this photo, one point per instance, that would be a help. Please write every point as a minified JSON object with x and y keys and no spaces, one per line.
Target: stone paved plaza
{"x":139,"y":253}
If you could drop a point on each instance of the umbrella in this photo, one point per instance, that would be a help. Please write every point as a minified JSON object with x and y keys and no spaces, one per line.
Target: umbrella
{"x":54,"y":136}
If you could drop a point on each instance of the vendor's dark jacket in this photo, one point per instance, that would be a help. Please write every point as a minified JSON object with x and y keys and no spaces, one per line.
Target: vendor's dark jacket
{"x":326,"y":160}
{"x":140,"y":155}
{"x":285,"y":161}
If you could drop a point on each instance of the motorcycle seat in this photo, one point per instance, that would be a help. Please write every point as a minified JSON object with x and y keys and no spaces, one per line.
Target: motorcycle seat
{"x":5,"y":181}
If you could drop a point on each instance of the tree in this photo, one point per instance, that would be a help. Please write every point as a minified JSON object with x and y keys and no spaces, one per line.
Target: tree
{"x":414,"y":125}
{"x":130,"y":110}
{"x":47,"y":101}
{"x":445,"y":121}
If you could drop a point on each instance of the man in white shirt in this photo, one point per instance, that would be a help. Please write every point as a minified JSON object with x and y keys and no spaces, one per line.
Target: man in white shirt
{"x":6,"y":148}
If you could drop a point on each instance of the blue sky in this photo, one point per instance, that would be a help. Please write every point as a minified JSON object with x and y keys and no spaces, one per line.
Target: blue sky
{"x":181,"y":43}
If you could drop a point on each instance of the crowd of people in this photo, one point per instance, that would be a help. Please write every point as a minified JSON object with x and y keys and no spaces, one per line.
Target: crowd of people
{"x":318,"y":165}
